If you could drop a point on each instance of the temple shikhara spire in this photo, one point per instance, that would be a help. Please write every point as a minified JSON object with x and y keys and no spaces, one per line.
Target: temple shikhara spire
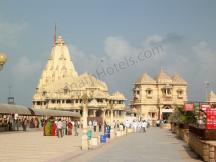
{"x":60,"y":87}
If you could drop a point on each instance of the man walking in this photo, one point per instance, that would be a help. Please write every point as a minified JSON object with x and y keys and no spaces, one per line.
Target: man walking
{"x":59,"y":126}
{"x":144,"y":126}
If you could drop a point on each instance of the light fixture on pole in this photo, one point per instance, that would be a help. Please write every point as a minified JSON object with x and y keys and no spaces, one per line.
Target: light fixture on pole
{"x":207,"y":84}
{"x":3,"y":60}
{"x":112,"y":133}
{"x":85,"y":114}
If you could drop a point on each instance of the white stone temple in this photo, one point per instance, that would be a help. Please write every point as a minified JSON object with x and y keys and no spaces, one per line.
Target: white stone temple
{"x":156,"y":98}
{"x":61,"y":87}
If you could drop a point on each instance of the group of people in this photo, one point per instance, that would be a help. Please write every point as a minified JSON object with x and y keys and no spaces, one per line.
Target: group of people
{"x":138,"y":125}
{"x":14,"y":122}
{"x":61,"y":127}
{"x":95,"y":124}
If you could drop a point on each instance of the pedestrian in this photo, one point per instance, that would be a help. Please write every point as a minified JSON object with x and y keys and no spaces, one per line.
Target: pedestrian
{"x":75,"y":128}
{"x":69,"y":126}
{"x":54,"y":129}
{"x":95,"y":125}
{"x":64,"y":128}
{"x":59,"y":126}
{"x":144,"y":126}
{"x":100,"y":126}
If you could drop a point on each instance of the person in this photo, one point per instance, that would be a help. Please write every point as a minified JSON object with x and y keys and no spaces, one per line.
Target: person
{"x":70,"y":127}
{"x":24,"y":124}
{"x":100,"y":126}
{"x":95,"y":125}
{"x":54,"y":129}
{"x":75,"y":128}
{"x":90,"y":124}
{"x":139,"y":126}
{"x":134,"y":126}
{"x":144,"y":126}
{"x":64,"y":126}
{"x":158,"y":123}
{"x":59,"y":126}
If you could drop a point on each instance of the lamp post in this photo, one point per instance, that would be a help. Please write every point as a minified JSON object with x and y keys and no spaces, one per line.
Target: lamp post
{"x":206,"y":89}
{"x":3,"y":60}
{"x":85,"y":114}
{"x":112,"y":134}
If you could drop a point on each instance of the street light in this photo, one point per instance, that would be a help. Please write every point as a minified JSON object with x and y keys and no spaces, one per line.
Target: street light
{"x":206,"y":88}
{"x":3,"y":60}
{"x":111,"y":121}
{"x":84,"y":131}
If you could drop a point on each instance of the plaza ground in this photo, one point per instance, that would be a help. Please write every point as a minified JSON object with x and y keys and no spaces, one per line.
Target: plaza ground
{"x":155,"y":145}
{"x":32,"y":146}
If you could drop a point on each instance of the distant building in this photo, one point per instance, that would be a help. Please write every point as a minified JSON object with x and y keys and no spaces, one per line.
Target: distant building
{"x":60,"y":87}
{"x":157,"y":98}
{"x":211,"y":97}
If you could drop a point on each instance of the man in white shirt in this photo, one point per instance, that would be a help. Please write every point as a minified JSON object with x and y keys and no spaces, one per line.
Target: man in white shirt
{"x":59,"y":127}
{"x":144,"y":126}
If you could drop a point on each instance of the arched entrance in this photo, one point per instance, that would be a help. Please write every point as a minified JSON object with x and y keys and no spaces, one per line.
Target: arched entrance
{"x":166,"y":112}
{"x":99,"y":113}
{"x":98,"y":116}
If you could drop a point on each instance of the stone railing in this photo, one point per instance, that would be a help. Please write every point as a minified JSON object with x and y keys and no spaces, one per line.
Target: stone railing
{"x":181,"y":130}
{"x":205,"y":149}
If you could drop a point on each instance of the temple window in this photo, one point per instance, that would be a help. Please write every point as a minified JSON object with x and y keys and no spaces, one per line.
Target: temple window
{"x":68,"y":101}
{"x":44,"y":93}
{"x":167,"y":92}
{"x":66,"y":90}
{"x":180,"y":93}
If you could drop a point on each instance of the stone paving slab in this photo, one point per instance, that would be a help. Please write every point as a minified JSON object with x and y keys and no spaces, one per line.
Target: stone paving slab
{"x":157,"y":145}
{"x":34,"y":147}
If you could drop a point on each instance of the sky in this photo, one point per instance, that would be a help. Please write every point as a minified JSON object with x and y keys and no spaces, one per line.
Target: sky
{"x":101,"y":34}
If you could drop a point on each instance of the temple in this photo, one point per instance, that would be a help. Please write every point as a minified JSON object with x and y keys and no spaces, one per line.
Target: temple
{"x":157,"y":98}
{"x":60,"y":87}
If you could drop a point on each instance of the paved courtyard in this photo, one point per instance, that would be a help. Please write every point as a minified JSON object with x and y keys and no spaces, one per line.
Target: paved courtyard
{"x":157,"y":145}
{"x":34,"y":147}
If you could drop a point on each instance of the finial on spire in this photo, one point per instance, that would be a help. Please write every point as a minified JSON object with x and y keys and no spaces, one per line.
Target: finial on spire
{"x":55,"y":35}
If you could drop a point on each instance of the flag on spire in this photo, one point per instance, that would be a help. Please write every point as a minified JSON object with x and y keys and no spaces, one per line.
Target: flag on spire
{"x":55,"y":35}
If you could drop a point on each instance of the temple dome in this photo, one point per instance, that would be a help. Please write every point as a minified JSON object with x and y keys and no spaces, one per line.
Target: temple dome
{"x":117,"y":95}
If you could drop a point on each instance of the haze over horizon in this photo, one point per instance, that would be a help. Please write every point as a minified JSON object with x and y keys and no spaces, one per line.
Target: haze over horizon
{"x":101,"y":34}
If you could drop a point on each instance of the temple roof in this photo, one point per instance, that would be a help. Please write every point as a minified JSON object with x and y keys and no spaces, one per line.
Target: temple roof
{"x":178,"y":80}
{"x":145,"y":79}
{"x":163,"y":77}
{"x":117,"y":96}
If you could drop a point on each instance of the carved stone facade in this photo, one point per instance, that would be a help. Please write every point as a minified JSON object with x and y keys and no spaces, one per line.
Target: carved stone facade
{"x":156,"y":98}
{"x":60,"y":87}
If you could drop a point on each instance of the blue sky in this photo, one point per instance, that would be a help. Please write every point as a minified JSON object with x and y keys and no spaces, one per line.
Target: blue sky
{"x":97,"y":30}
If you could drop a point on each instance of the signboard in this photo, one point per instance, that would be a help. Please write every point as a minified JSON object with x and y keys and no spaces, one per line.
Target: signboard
{"x":167,"y":110}
{"x":188,"y":106}
{"x":211,"y":118}
{"x":204,"y":106}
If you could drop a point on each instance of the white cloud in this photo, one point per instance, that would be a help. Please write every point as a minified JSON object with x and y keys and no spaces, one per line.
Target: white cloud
{"x":153,"y":39}
{"x":117,"y":48}
{"x":25,"y":69}
{"x":10,"y":33}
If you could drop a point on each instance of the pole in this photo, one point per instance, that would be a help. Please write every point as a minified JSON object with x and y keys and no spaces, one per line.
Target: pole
{"x":84,"y":131}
